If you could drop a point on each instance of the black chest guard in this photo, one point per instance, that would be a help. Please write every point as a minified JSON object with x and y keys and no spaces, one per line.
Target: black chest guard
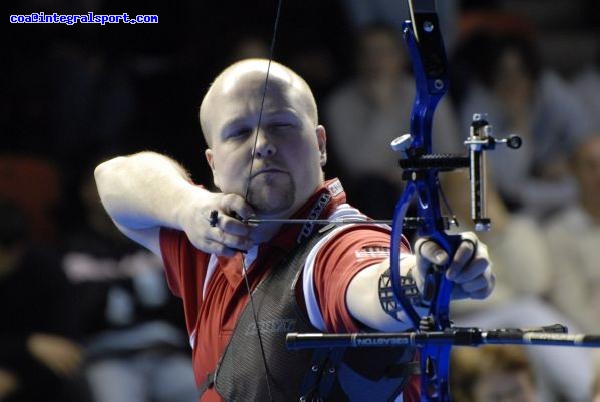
{"x":301,"y":375}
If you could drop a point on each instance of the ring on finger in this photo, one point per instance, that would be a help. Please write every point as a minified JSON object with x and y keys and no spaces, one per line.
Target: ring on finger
{"x":214,"y":218}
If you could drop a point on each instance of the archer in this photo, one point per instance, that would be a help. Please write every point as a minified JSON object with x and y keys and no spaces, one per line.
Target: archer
{"x":244,"y":285}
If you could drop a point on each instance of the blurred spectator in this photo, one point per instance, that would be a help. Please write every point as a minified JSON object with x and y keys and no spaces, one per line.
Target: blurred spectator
{"x":249,"y":47}
{"x":523,"y":270}
{"x":364,"y":13}
{"x":587,"y":86}
{"x":136,"y":350}
{"x":313,"y":41}
{"x":492,"y":374}
{"x":39,"y":357}
{"x":311,"y":36}
{"x":520,"y":96}
{"x":469,"y":57}
{"x":574,"y":237}
{"x":596,"y":390}
{"x":35,"y":184}
{"x":368,"y":112}
{"x":93,"y":102}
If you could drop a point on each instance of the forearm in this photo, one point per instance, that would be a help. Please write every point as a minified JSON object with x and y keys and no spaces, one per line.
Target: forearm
{"x":363,"y":301}
{"x":144,"y":190}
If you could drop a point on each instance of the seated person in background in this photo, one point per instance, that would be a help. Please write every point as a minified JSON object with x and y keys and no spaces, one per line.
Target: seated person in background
{"x":132,"y":324}
{"x":515,"y":239}
{"x":523,"y":280}
{"x":492,"y":373}
{"x":574,"y":237}
{"x":39,"y":355}
{"x":365,"y":114}
{"x":586,"y":84}
{"x":596,"y":390}
{"x":522,"y":97}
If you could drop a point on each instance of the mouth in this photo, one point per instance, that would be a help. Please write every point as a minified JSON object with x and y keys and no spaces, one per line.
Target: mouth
{"x":269,"y":170}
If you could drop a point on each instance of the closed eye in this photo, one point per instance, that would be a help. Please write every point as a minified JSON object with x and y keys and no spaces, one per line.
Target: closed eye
{"x":281,"y":125}
{"x":240,"y":132}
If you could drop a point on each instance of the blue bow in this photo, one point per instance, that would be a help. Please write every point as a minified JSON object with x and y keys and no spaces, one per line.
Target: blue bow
{"x":424,"y":39}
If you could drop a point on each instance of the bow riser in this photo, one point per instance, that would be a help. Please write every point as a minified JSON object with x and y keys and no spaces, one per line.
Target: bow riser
{"x":426,"y":48}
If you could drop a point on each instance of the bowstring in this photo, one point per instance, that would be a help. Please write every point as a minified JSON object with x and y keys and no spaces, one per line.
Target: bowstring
{"x":247,"y":190}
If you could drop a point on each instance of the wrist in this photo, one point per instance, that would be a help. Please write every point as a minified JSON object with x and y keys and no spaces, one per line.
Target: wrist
{"x":190,"y":202}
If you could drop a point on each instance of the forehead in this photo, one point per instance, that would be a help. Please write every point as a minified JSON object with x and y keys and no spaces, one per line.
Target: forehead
{"x":255,"y":72}
{"x":250,"y":89}
{"x":246,"y":98}
{"x":239,"y":91}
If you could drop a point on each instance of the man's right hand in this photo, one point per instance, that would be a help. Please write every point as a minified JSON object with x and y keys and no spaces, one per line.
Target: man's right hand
{"x":146,"y":191}
{"x":229,"y":234}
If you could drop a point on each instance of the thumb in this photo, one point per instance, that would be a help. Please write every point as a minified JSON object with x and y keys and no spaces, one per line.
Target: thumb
{"x":429,"y":252}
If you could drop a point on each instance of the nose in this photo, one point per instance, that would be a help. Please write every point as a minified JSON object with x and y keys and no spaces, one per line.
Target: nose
{"x":264,"y":146}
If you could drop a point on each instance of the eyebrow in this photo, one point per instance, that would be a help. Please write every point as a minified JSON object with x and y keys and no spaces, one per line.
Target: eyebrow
{"x":236,"y":122}
{"x":286,"y":113}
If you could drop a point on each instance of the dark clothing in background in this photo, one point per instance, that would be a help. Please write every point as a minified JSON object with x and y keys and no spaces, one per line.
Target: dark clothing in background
{"x":35,"y":297}
{"x":112,"y":263}
{"x":137,"y":350}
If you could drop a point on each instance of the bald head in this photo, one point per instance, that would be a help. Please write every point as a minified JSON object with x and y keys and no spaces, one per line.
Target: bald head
{"x":248,"y":78}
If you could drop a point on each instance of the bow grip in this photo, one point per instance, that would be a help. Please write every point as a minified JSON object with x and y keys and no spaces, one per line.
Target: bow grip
{"x":437,"y":289}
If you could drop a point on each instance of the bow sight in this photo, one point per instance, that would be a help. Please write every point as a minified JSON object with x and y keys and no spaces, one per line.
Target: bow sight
{"x":414,"y":162}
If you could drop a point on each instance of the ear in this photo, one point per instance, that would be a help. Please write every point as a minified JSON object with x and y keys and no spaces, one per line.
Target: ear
{"x":322,"y":141}
{"x":211,"y":162}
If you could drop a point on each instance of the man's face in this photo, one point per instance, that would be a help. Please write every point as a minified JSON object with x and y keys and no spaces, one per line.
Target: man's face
{"x":289,"y":149}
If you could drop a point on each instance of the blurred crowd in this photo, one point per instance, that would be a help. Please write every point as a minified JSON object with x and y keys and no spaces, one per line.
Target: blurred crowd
{"x":85,"y":315}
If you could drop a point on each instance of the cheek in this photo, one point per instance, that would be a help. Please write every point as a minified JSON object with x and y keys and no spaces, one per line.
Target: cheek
{"x":230,"y":157}
{"x":229,"y":168}
{"x":309,"y":146}
{"x":308,"y":167}
{"x":304,"y":154}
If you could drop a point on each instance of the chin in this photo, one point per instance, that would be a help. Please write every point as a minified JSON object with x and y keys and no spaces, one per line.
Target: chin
{"x":272,"y":195}
{"x":276,"y":205}
{"x":272,"y":201}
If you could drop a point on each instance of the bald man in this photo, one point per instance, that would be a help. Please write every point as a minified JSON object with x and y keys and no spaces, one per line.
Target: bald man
{"x":266,"y":151}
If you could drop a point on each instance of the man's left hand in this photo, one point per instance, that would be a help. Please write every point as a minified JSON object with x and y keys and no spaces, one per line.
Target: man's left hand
{"x":470,"y":269}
